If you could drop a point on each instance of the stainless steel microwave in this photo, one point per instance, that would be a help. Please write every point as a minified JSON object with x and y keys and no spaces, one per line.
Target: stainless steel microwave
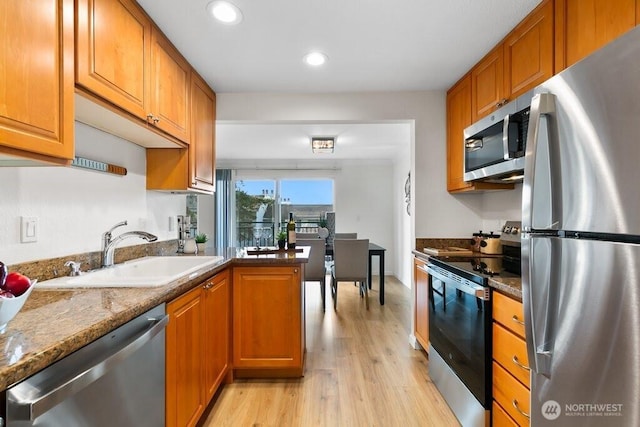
{"x":494,"y":146}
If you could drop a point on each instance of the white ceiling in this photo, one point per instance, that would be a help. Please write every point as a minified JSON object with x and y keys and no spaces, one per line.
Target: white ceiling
{"x":291,"y":141}
{"x":372,"y":45}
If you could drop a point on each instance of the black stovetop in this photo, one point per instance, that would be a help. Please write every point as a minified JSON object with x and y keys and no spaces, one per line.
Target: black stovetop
{"x":474,"y":267}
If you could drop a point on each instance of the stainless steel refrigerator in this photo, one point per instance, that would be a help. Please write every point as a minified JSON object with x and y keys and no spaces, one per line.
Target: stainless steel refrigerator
{"x":581,"y":241}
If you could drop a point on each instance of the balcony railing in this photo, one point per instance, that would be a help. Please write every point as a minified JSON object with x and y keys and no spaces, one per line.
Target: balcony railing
{"x":255,"y":233}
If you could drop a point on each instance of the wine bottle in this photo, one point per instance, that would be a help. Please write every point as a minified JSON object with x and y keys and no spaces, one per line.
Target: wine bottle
{"x":291,"y":232}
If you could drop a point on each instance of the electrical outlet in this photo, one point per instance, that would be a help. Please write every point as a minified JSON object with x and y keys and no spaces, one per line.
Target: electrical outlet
{"x":28,"y":229}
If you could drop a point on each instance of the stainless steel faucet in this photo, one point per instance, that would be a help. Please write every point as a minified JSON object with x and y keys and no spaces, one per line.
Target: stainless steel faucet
{"x":109,"y":244}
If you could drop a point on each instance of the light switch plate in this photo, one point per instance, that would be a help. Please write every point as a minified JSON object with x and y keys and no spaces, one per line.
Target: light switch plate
{"x":28,"y":229}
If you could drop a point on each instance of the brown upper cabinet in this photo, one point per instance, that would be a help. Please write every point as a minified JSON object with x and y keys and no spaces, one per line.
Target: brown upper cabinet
{"x":522,"y":61}
{"x":202,"y":149}
{"x":169,"y":88}
{"x":487,"y":84}
{"x":125,"y":62}
{"x":192,"y":168}
{"x":458,"y":118}
{"x":37,"y":111}
{"x":528,"y":52}
{"x":114,"y":53}
{"x":583,"y":26}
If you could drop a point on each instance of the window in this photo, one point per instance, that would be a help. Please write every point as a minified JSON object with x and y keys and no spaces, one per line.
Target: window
{"x":262,"y":207}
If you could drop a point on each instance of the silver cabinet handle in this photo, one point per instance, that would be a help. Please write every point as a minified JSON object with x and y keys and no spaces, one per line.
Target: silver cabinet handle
{"x":517,"y":320}
{"x":515,"y":360}
{"x":30,"y":407}
{"x":515,"y":405}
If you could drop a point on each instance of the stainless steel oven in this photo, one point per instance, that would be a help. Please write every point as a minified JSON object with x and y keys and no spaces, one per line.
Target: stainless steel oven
{"x":460,"y":339}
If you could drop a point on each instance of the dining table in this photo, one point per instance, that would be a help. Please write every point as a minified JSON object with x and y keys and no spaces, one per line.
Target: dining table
{"x":374,"y":250}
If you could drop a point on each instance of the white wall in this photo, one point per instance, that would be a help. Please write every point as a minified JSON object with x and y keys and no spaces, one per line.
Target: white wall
{"x":76,"y":206}
{"x":403,"y":222}
{"x":363,"y":204}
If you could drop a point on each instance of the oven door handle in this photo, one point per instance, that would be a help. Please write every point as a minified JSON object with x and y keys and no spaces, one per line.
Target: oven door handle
{"x":477,"y":291}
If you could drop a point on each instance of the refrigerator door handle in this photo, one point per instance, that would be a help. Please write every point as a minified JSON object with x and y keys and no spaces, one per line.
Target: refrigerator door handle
{"x":542,"y":105}
{"x":540,"y":312}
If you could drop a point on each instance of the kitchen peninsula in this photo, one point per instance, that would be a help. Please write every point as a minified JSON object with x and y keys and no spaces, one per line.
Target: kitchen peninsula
{"x":265,"y":300}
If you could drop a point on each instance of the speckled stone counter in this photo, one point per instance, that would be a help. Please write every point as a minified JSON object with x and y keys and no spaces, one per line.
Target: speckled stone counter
{"x":508,"y":286}
{"x":55,"y":323}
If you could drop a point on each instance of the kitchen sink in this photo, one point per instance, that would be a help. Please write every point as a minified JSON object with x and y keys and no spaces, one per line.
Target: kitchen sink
{"x":150,"y":271}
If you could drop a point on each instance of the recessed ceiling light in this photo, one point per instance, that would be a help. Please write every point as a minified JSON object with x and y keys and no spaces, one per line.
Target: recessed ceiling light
{"x":225,"y":12}
{"x":315,"y":59}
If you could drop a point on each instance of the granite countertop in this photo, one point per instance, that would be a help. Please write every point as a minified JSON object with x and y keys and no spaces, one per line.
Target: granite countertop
{"x":55,"y":322}
{"x":511,"y":286}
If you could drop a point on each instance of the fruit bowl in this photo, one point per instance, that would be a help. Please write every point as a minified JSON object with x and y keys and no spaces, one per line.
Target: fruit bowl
{"x":9,"y":307}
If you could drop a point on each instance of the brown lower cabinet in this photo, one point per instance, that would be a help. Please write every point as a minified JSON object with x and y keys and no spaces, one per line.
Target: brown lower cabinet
{"x":511,"y":377}
{"x":268,"y":321}
{"x":421,"y":295}
{"x":197,"y":349}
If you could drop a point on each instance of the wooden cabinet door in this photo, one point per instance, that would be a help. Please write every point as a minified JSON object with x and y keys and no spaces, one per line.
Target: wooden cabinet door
{"x":113,"y":53}
{"x":509,"y":313}
{"x":487,"y":84}
{"x":36,"y":75}
{"x":169,"y":88}
{"x":528,"y":52}
{"x":267,"y":317}
{"x":217,"y":305}
{"x":499,"y":418}
{"x":202,"y":147}
{"x":583,"y":26}
{"x":458,"y":118}
{"x":510,"y":351}
{"x":184,"y":349}
{"x":421,"y":285}
{"x":511,"y":395}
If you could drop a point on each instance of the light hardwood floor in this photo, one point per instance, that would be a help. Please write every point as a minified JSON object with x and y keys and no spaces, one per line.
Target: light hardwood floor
{"x":360,"y":371}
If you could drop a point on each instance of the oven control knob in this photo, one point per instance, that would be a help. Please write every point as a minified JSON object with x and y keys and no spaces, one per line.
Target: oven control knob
{"x":506,"y":229}
{"x":514,"y":230}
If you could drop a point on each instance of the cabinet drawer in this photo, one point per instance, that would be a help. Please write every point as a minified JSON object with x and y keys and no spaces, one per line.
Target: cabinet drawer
{"x":511,"y":395}
{"x":499,"y":418}
{"x":509,"y":313}
{"x":510,"y":351}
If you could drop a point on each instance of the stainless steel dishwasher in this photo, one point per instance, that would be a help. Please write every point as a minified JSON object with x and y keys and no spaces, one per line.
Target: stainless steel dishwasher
{"x":117,"y":380}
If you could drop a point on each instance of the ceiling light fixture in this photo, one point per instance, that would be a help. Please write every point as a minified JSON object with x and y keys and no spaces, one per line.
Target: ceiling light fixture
{"x":315,"y":59}
{"x":322,"y":145}
{"x":225,"y":12}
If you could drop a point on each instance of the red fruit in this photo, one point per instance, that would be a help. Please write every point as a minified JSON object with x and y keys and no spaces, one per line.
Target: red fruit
{"x":6,"y":294}
{"x":16,"y":283}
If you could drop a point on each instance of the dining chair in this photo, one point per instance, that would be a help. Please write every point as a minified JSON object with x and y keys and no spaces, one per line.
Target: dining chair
{"x":346,"y":236}
{"x":314,"y":270}
{"x":350,"y":264}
